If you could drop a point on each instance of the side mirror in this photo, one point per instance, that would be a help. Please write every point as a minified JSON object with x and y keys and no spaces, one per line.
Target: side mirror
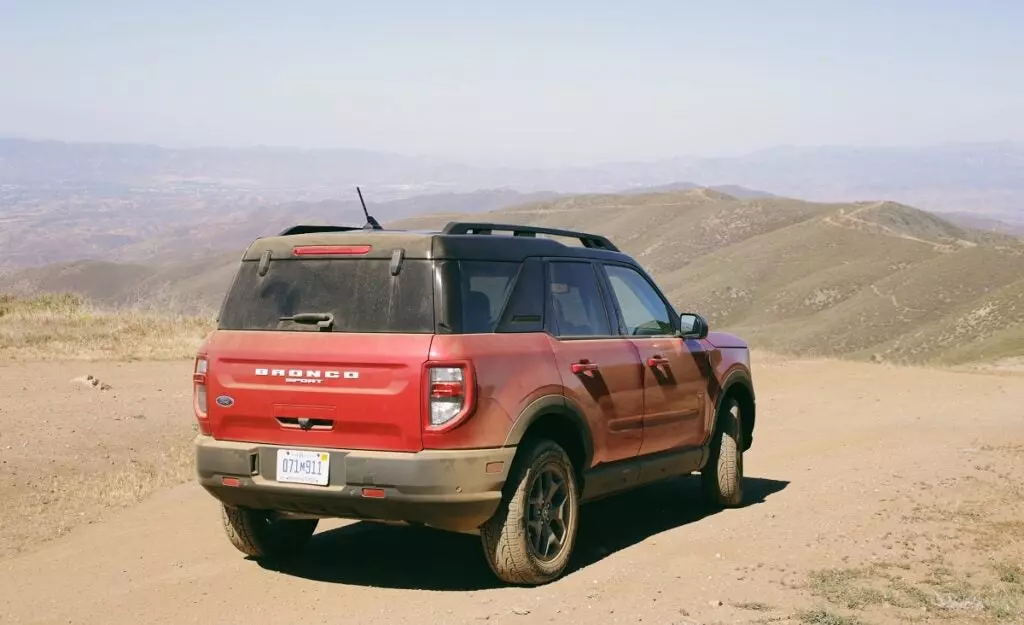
{"x":692,"y":326}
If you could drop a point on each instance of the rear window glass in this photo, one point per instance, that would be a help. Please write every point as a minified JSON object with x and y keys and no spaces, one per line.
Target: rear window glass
{"x":485,"y":288}
{"x":362,"y":296}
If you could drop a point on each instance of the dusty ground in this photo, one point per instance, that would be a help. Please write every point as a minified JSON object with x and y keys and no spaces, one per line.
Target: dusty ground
{"x":876,"y":495}
{"x":70,"y":453}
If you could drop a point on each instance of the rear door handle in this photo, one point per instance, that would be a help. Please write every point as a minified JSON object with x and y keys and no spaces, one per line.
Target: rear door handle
{"x":657,"y":361}
{"x":583,"y":366}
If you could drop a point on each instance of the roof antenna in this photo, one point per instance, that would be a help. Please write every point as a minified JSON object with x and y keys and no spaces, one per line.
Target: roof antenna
{"x":371,"y":223}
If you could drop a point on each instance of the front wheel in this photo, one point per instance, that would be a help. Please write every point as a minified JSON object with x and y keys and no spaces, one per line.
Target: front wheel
{"x":722,"y":477}
{"x":263,"y":534}
{"x":531,"y":536}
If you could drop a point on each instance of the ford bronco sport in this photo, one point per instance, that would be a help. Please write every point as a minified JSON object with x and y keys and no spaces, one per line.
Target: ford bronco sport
{"x":461,"y":380}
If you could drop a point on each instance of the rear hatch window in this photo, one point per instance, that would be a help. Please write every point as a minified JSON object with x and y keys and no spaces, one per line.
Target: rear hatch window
{"x":354,"y":295}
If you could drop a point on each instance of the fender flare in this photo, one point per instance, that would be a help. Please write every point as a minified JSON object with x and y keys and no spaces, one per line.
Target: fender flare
{"x":557,"y":405}
{"x":742,"y":378}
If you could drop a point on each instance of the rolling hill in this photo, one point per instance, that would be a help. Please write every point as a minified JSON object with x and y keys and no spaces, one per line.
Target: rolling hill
{"x":870,"y":280}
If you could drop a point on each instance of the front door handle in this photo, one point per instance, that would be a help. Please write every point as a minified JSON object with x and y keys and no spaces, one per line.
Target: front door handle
{"x":583,"y":366}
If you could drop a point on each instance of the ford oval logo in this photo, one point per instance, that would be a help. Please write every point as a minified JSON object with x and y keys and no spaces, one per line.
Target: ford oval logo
{"x":225,"y":401}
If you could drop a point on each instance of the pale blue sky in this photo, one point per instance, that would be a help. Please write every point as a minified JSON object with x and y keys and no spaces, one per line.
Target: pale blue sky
{"x":529,"y":82}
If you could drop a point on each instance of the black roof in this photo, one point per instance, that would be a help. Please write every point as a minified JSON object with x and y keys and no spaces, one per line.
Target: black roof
{"x":468,"y":240}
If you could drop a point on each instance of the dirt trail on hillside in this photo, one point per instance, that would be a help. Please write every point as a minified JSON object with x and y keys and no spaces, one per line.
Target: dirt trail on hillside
{"x":907,"y":472}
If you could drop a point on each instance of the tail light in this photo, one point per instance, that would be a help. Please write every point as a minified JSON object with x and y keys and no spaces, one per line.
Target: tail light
{"x":199,"y":399}
{"x":449,"y":394}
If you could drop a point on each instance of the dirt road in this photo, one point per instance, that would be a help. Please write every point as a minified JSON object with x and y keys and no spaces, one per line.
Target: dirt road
{"x":875,"y":494}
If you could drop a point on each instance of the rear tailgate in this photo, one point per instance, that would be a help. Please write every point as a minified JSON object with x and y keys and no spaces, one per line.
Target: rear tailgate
{"x":323,"y":345}
{"x":318,"y":389}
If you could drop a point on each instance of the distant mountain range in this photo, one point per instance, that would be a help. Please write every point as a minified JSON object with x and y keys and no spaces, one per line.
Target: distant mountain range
{"x":980,"y":178}
{"x":169,"y":227}
{"x":138,"y":203}
{"x":981,"y":222}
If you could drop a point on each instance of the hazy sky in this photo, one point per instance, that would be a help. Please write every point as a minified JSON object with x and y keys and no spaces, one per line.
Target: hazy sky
{"x":529,"y":82}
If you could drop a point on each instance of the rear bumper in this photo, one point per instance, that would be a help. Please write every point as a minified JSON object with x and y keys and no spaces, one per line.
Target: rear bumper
{"x":448,"y":489}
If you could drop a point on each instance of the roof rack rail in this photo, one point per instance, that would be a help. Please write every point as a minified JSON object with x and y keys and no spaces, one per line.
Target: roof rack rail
{"x":305,"y":229}
{"x":588,"y":240}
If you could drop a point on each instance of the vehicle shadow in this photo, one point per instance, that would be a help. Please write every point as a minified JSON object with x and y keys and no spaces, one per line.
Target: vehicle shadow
{"x":373,"y":554}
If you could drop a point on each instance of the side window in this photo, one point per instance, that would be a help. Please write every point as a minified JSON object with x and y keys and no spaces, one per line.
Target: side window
{"x":643,"y":312}
{"x":485,"y":287}
{"x":576,"y":305}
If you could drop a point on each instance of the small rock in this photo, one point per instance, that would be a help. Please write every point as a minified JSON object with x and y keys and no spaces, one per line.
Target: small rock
{"x":89,"y":381}
{"x":715,"y":603}
{"x":520,"y":612}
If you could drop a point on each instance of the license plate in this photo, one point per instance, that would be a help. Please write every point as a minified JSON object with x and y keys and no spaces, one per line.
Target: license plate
{"x":303,"y":467}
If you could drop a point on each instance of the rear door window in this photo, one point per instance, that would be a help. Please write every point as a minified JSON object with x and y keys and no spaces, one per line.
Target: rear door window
{"x":360,"y":294}
{"x":576,"y":304}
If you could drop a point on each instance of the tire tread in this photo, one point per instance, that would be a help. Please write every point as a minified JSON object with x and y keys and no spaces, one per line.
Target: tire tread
{"x":504,"y":536}
{"x":247,"y":532}
{"x":722,"y":478}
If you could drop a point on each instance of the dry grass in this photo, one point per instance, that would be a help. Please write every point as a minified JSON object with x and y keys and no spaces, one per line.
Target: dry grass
{"x":982,"y":586}
{"x":67,"y":327}
{"x":71,"y":500}
{"x":956,"y":557}
{"x":71,"y":455}
{"x":995,"y":594}
{"x":822,"y":616}
{"x":86,"y":453}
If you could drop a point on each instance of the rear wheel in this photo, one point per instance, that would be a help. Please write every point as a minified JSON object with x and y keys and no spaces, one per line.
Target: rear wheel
{"x":530,"y":539}
{"x":264,"y":534}
{"x":722,"y":477}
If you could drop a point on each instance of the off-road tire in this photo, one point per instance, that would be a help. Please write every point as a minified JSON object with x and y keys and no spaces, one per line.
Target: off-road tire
{"x":505,"y":537}
{"x":722,"y":476}
{"x":261,"y":534}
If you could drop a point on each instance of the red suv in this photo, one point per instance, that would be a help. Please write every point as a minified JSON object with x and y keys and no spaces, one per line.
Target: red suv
{"x":460,"y":379}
